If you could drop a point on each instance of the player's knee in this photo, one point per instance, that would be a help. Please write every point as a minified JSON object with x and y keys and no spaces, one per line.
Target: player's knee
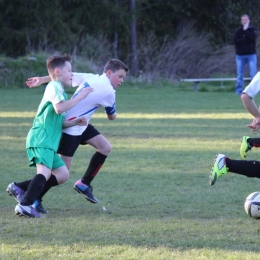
{"x":66,"y":176}
{"x":107,"y":149}
{"x":63,"y":177}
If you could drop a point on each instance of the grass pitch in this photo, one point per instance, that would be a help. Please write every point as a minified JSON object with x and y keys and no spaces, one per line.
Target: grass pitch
{"x":155,"y":201}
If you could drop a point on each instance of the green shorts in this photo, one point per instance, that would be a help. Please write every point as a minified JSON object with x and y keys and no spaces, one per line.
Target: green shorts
{"x":44,"y":156}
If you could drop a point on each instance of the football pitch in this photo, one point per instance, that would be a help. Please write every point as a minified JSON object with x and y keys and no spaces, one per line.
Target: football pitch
{"x":155,"y":201}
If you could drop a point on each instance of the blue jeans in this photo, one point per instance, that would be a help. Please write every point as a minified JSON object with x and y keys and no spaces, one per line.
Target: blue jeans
{"x":241,"y":61}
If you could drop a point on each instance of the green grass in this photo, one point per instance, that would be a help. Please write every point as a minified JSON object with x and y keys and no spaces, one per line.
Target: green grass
{"x":154,"y":185}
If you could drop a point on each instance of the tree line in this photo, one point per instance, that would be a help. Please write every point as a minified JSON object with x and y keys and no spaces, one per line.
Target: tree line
{"x":115,"y":28}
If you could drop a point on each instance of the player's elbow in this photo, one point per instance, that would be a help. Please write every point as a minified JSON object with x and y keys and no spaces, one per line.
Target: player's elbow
{"x":58,"y":111}
{"x":58,"y":108}
{"x":245,"y":97}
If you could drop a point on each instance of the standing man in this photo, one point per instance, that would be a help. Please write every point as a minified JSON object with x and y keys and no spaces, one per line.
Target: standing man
{"x":245,"y":41}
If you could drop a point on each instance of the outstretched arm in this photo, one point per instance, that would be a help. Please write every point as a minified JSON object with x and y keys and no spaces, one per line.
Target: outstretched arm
{"x":37,"y":81}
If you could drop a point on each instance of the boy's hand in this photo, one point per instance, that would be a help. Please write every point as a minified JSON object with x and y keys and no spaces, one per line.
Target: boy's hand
{"x":33,"y":82}
{"x":255,"y":125}
{"x":84,"y":92}
{"x":81,"y":121}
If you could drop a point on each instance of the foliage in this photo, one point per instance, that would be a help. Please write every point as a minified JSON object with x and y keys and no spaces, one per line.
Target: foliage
{"x":14,"y":72}
{"x":61,"y":25}
{"x":189,"y":54}
{"x":99,"y":30}
{"x":154,"y":184}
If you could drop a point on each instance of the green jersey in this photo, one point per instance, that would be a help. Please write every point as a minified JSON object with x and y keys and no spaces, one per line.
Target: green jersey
{"x":47,"y":125}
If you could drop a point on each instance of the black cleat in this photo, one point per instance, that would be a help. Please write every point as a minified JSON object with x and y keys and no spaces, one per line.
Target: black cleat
{"x":85,"y":190}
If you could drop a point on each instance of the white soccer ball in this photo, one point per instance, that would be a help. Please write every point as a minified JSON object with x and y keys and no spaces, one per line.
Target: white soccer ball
{"x":252,"y":205}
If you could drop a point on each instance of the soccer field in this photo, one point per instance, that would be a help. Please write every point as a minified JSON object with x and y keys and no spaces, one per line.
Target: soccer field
{"x":155,"y":201}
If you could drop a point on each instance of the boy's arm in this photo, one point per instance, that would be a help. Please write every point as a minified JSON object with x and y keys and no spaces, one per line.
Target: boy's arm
{"x":251,"y":107}
{"x":111,"y":112}
{"x":66,"y":105}
{"x":37,"y":81}
{"x":77,"y":79}
{"x":79,"y":121}
{"x":111,"y":117}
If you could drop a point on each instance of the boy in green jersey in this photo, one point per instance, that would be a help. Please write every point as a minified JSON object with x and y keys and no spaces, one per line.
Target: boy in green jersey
{"x":43,"y":138}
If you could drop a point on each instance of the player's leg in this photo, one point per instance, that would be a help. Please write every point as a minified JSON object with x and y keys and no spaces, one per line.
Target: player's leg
{"x":103,"y":148}
{"x":43,"y":160}
{"x":92,"y":137}
{"x":247,"y":144}
{"x":59,"y":175}
{"x":247,"y":168}
{"x":25,"y":207}
{"x":68,"y":146}
{"x":223,"y":165}
{"x":18,"y":189}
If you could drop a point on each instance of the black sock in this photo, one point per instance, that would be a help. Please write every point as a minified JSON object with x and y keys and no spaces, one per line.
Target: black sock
{"x":34,"y":190}
{"x":23,"y":185}
{"x":254,"y":142}
{"x":50,"y":183}
{"x":247,"y":168}
{"x":95,"y":164}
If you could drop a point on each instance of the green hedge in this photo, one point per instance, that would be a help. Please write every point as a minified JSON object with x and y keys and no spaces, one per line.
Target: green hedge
{"x":14,"y":72}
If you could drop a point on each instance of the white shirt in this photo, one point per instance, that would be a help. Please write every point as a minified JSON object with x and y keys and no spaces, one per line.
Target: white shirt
{"x":254,"y":86}
{"x":102,"y":96}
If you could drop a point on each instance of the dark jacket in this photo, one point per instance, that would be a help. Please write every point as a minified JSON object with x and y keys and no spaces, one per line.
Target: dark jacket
{"x":245,"y":40}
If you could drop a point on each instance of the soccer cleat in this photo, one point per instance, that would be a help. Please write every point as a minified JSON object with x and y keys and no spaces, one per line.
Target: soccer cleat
{"x":15,"y":191}
{"x":219,"y":168}
{"x":85,"y":190}
{"x":27,"y":211}
{"x":38,"y":206}
{"x":245,"y":147}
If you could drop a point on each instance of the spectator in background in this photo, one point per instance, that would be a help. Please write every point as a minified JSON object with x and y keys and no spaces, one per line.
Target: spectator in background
{"x":245,"y":42}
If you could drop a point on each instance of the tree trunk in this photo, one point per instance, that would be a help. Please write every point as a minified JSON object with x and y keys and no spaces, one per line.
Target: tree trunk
{"x":133,"y":51}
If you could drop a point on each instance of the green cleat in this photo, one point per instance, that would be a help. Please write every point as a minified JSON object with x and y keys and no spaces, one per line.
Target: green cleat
{"x":245,"y":147}
{"x":219,"y":168}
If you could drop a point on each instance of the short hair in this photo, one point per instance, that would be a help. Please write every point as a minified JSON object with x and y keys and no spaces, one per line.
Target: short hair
{"x":246,"y":16}
{"x":115,"y":65}
{"x":57,"y":61}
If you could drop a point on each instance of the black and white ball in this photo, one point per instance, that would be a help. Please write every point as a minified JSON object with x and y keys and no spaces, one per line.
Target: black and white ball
{"x":252,"y":205}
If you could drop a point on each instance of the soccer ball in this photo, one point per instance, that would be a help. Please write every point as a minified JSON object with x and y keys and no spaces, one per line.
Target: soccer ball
{"x":252,"y":205}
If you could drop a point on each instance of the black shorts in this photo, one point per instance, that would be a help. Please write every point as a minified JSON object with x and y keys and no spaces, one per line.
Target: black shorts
{"x":69,"y":143}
